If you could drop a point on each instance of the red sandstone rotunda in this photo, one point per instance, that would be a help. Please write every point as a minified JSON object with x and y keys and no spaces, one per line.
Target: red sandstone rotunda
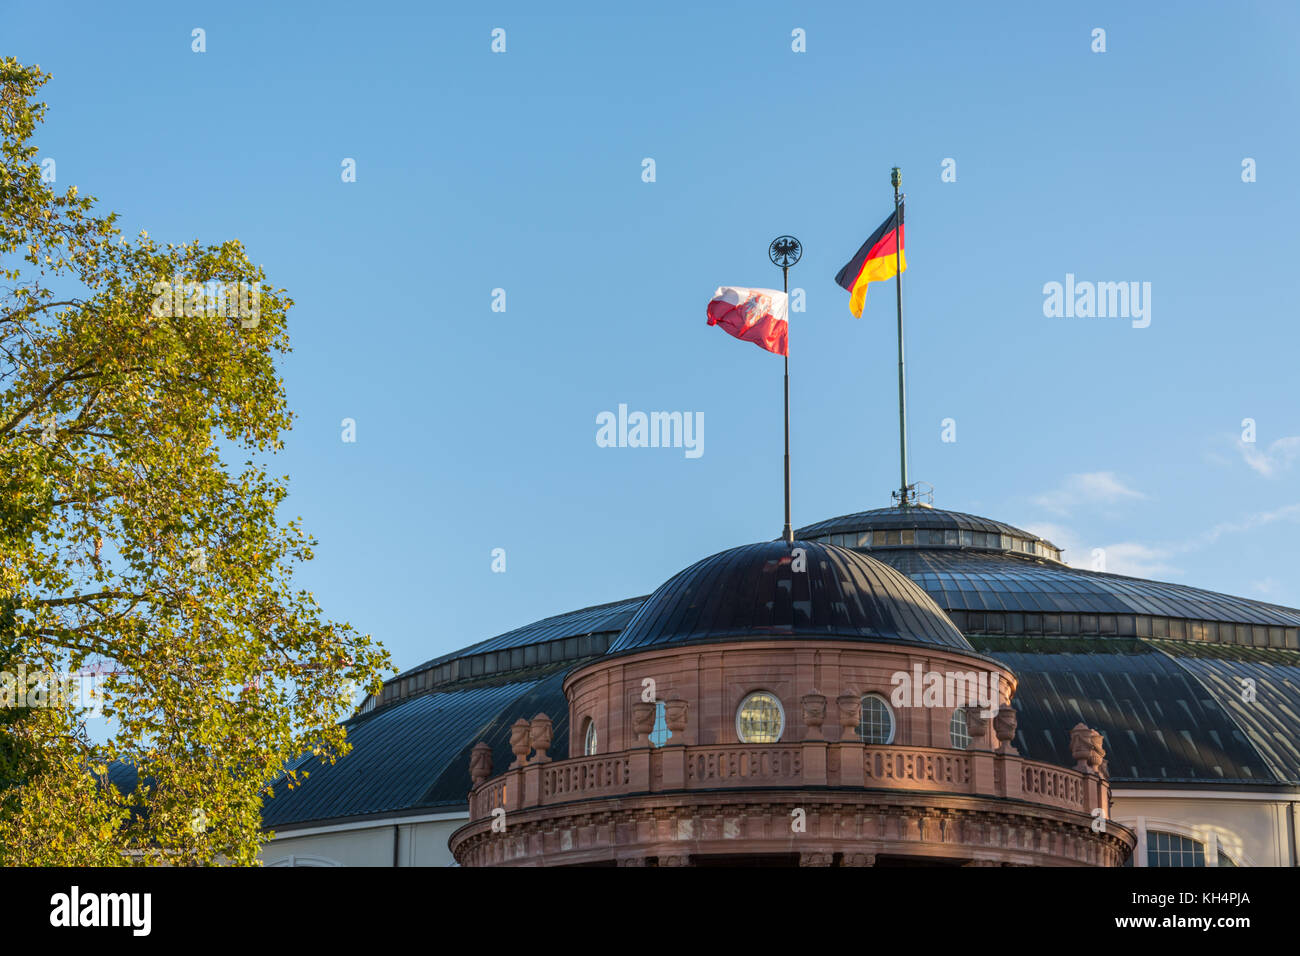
{"x":813,"y":707}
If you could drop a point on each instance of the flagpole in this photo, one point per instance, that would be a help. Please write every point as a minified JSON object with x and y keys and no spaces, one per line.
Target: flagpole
{"x":896,"y":180}
{"x":785,"y":251}
{"x":788,"y":533}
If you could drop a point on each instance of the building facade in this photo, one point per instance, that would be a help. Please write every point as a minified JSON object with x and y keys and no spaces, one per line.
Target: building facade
{"x":1136,"y":722}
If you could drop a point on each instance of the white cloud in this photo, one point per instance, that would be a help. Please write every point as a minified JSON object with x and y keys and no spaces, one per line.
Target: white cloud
{"x":1138,"y":560}
{"x":1091,"y":488}
{"x":1122,"y":557}
{"x":1152,"y":560}
{"x":1276,"y":459}
{"x":1249,"y":523}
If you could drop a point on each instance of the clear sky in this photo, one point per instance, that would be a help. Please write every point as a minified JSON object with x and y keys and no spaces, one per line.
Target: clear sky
{"x":523,"y":171}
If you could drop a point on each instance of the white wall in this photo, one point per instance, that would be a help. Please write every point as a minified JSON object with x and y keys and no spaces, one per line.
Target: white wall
{"x":421,"y":841}
{"x":1254,"y":829}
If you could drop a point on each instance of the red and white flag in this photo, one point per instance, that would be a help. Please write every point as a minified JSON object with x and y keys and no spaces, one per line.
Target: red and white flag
{"x":755,"y":315}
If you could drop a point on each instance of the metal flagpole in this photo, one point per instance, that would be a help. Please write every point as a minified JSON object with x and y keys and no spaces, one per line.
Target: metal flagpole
{"x":896,"y":179}
{"x":785,"y":251}
{"x":788,"y":532}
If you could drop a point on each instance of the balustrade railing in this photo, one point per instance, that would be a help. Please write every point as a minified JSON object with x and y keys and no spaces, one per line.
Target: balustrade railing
{"x":848,"y":765}
{"x":917,"y":769}
{"x":743,"y":764}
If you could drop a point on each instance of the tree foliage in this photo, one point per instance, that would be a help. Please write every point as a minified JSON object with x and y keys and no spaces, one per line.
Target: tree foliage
{"x":140,"y":533}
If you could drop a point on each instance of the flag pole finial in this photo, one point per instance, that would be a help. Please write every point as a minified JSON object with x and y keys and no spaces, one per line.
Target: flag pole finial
{"x":784,"y":252}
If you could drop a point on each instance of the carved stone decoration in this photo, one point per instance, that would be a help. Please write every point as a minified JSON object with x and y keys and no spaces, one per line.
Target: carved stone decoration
{"x":643,"y":721}
{"x":815,"y":859}
{"x":520,"y":743}
{"x":1004,"y":724}
{"x":850,"y":706}
{"x":858,"y":859}
{"x":1097,"y":759}
{"x":675,"y":710}
{"x":814,"y":714}
{"x":681,"y":859}
{"x":541,"y":738}
{"x":480,"y":763}
{"x":977,"y":725}
{"x":1087,"y":748}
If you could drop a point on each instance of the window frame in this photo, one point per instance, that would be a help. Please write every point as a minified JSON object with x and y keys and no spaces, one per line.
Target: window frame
{"x":780,"y":709}
{"x":862,"y":721}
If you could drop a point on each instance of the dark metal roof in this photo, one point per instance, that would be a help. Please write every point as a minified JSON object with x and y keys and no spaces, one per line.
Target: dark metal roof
{"x":1168,"y":713}
{"x":752,"y":591}
{"x":886,"y":519}
{"x":415,"y":754}
{"x":1171,"y":712}
{"x":600,"y":618}
{"x":1272,"y":718}
{"x":984,"y":581}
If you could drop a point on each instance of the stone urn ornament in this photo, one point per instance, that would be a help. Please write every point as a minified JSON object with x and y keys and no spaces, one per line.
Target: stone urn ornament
{"x":643,"y":721}
{"x":480,"y":763}
{"x":977,"y":725}
{"x":1087,"y":747}
{"x":520,"y":744}
{"x":850,"y":706}
{"x":1004,"y":725}
{"x":675,"y":711}
{"x":541,"y":738}
{"x":814,"y":714}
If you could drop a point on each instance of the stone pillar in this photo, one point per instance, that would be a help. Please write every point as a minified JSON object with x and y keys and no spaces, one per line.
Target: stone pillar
{"x":674,"y":766}
{"x":638,"y":770}
{"x":814,"y":762}
{"x":850,"y":747}
{"x":982,"y":777}
{"x":532,"y":784}
{"x":1013,"y":777}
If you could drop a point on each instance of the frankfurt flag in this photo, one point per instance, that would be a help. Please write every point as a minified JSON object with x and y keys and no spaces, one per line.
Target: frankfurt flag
{"x":755,"y":315}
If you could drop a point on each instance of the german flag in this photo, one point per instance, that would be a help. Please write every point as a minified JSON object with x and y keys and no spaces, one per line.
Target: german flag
{"x":874,"y":261}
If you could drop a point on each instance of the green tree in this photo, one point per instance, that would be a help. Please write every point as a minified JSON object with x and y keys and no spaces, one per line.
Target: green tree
{"x":139,"y":531}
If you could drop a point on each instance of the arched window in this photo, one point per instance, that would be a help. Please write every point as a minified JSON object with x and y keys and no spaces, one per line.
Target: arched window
{"x":659,"y":733}
{"x":1170,"y":849}
{"x":760,"y":719}
{"x":958,"y":732}
{"x":589,"y":739}
{"x":877,"y":725}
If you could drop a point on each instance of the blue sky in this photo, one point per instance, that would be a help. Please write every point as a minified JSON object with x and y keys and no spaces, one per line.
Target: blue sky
{"x":523,"y":171}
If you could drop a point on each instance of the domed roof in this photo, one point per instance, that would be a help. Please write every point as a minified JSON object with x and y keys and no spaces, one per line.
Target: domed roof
{"x":753,"y":591}
{"x":921,"y":525}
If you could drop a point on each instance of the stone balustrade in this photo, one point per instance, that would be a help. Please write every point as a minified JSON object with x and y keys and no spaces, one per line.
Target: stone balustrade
{"x":812,"y":763}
